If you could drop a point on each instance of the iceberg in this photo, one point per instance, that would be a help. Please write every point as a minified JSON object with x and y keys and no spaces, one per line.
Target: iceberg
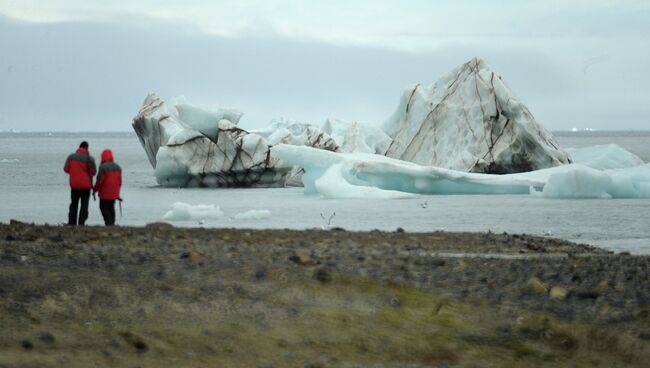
{"x":191,"y":146}
{"x":447,"y":138}
{"x":357,"y":175}
{"x":181,"y":211}
{"x":602,"y":157}
{"x":469,"y":120}
{"x":253,"y":215}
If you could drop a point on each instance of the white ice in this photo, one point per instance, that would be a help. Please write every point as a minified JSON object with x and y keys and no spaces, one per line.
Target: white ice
{"x":193,"y":146}
{"x":181,"y":211}
{"x":602,"y":157}
{"x":357,"y":137}
{"x":344,"y":175}
{"x":253,"y":215}
{"x":469,"y":120}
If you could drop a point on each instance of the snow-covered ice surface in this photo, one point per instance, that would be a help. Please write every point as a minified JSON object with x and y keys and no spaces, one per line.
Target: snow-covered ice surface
{"x":35,"y":189}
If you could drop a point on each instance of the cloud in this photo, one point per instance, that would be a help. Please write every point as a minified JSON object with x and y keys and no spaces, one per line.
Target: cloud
{"x":84,"y":65}
{"x":415,"y":25}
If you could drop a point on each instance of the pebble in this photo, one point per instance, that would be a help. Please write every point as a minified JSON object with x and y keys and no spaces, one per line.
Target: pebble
{"x":260,"y":274}
{"x":323,"y":275}
{"x":536,"y":285}
{"x":558,"y":293}
{"x":26,"y":344}
{"x":303,"y":260}
{"x":46,"y":338}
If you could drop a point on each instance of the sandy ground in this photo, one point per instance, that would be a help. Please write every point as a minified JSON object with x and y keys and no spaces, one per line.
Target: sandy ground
{"x":160,"y":296}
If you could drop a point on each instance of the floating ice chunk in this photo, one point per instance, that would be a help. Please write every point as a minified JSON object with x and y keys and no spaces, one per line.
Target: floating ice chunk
{"x":253,"y":215}
{"x":191,"y":146}
{"x":8,"y":160}
{"x":631,"y":182}
{"x":579,"y":182}
{"x":347,"y":175}
{"x":332,"y":184}
{"x":317,"y":162}
{"x":609,"y":156}
{"x":181,"y":211}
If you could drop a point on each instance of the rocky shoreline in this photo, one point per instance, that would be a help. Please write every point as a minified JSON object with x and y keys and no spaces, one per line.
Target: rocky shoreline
{"x":164,"y":296}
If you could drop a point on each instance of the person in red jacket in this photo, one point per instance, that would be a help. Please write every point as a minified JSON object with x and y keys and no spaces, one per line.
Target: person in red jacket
{"x":81,"y":168}
{"x":109,"y":182}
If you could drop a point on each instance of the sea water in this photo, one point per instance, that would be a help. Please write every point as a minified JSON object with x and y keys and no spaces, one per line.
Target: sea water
{"x":34,"y":188}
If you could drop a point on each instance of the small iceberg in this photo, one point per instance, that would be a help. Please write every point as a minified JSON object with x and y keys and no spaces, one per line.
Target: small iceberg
{"x":253,"y":215}
{"x":181,"y":211}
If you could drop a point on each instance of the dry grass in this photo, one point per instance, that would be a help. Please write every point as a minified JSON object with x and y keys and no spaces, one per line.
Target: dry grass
{"x":285,"y":320}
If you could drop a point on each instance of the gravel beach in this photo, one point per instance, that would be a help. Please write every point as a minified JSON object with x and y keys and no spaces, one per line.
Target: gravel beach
{"x":163,"y":296}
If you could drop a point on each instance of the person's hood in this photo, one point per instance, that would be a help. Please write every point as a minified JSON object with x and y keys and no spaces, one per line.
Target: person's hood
{"x":107,"y":155}
{"x":82,"y":150}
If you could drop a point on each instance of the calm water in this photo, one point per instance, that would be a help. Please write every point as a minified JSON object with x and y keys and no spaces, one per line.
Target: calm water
{"x":33,"y":188}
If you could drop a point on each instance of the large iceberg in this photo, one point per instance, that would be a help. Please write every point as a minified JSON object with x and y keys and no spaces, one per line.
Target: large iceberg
{"x":449,"y":137}
{"x":470,"y":121}
{"x":357,"y":175}
{"x":203,"y":147}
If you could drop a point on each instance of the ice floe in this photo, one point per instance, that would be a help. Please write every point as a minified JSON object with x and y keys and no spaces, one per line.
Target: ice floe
{"x":345,"y":175}
{"x":181,"y":211}
{"x":253,"y":215}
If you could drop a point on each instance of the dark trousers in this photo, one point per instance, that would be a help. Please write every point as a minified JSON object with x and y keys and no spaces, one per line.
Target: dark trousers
{"x":108,"y":211}
{"x":77,"y":195}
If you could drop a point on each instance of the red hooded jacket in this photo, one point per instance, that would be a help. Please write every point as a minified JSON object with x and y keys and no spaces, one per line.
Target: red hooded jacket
{"x":109,"y":178}
{"x":81,"y":168}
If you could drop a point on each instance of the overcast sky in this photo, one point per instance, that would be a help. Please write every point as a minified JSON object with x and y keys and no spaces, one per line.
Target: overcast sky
{"x":82,"y":65}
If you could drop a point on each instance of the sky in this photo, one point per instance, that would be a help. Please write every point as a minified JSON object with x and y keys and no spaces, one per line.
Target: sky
{"x":85,"y":65}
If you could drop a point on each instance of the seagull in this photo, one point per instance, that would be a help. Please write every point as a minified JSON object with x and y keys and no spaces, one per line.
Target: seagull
{"x":594,"y":60}
{"x":424,"y":204}
{"x":327,"y":223}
